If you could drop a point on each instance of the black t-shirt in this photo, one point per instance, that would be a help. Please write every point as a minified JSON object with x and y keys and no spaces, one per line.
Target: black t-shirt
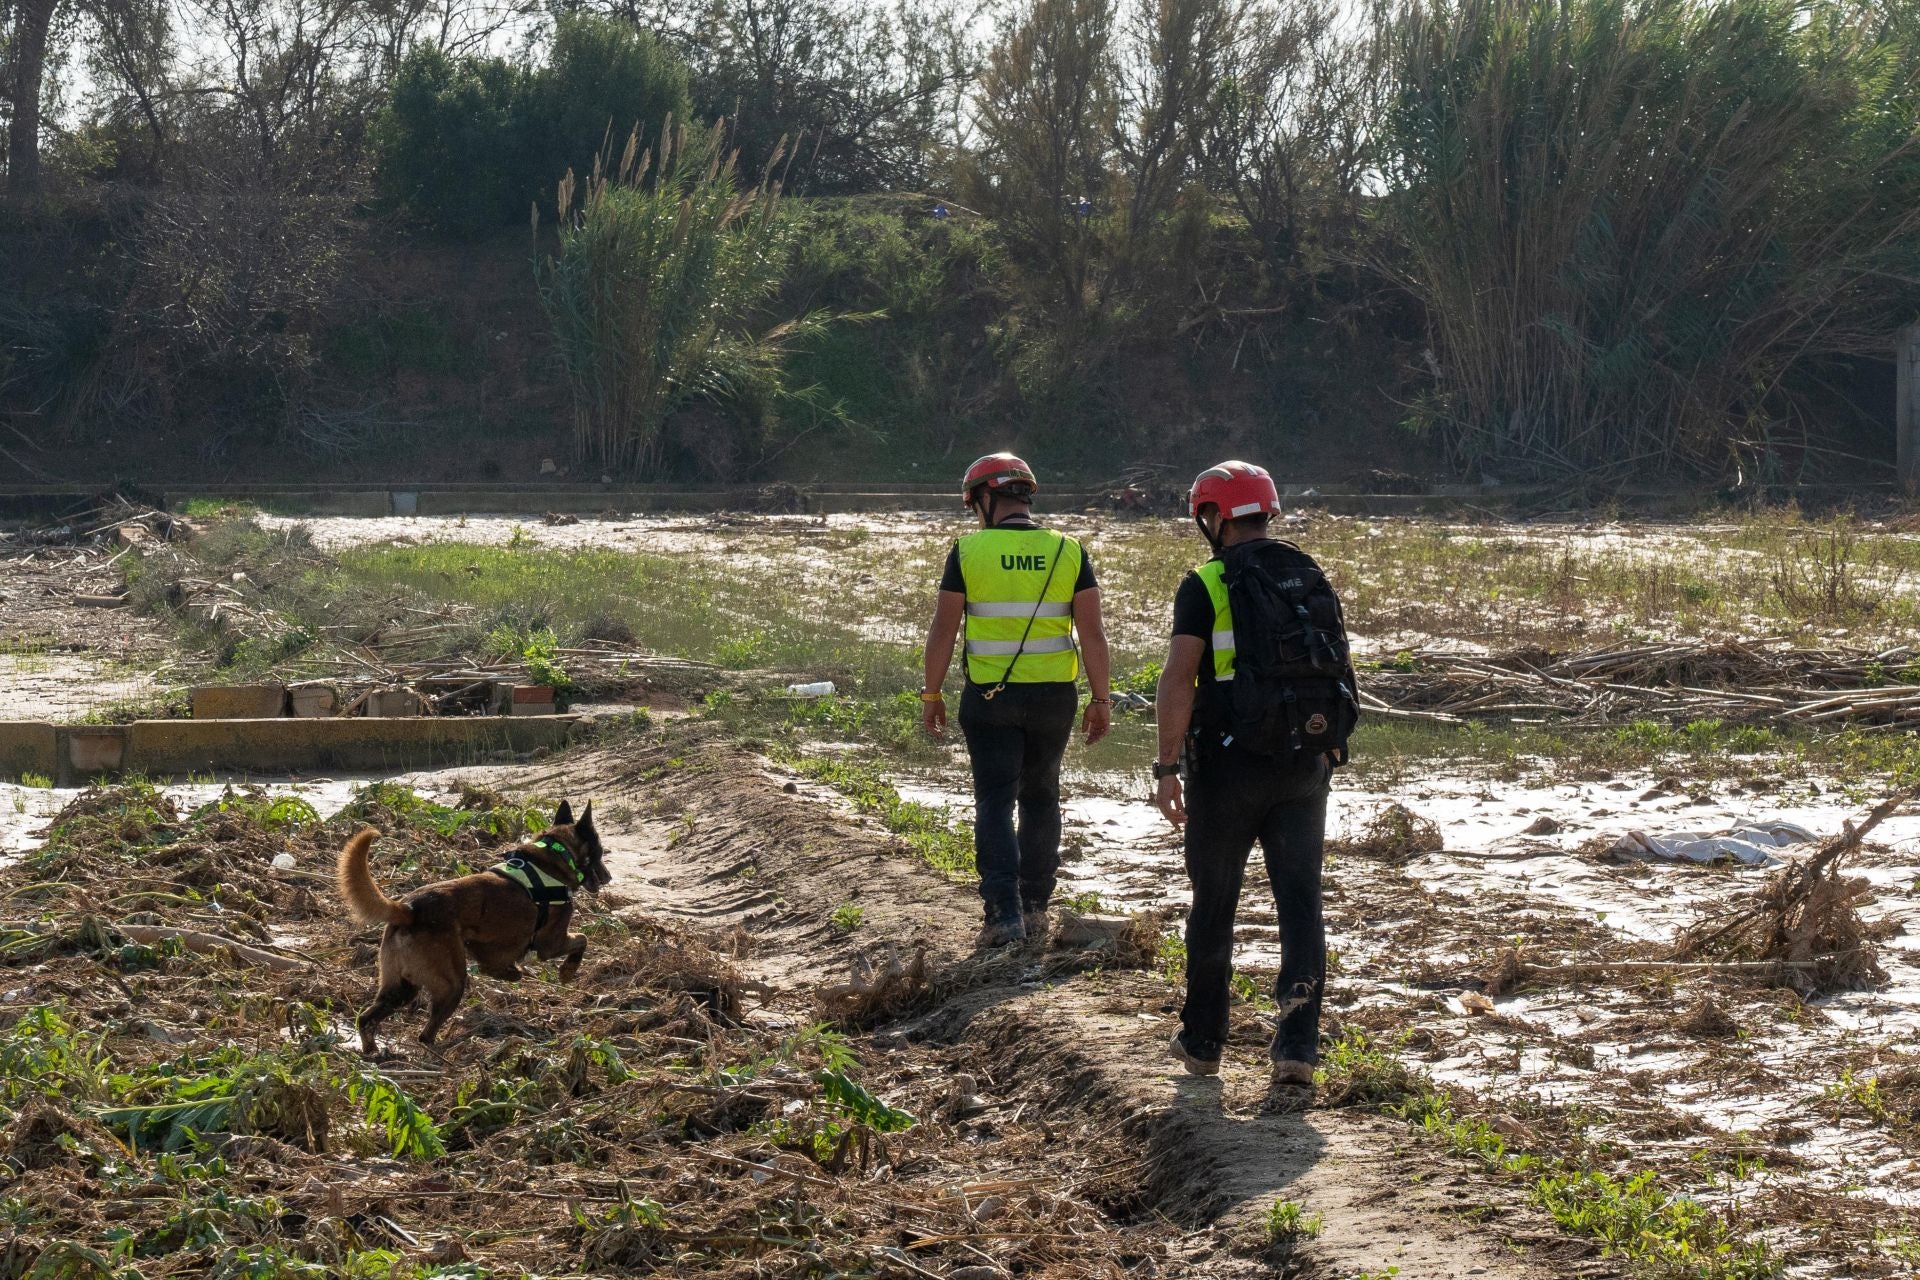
{"x":951,"y":579}
{"x":1193,"y":616}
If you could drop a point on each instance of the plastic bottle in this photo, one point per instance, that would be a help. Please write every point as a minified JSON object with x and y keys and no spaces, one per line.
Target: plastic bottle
{"x":817,"y":689}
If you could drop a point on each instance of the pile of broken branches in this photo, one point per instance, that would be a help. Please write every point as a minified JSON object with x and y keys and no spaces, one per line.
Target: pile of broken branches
{"x":1805,"y":923}
{"x":1739,"y":682}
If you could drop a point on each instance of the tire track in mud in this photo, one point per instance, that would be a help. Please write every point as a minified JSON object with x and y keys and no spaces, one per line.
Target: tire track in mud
{"x":706,"y":832}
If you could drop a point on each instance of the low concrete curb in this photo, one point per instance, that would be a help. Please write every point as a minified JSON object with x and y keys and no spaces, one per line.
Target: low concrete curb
{"x":169,"y":748}
{"x":29,"y":746}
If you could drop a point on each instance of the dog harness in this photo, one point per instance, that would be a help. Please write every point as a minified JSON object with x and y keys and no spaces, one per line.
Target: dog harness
{"x":541,"y":887}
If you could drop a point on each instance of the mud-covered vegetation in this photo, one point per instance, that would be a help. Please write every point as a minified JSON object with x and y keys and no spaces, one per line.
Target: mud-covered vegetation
{"x":1588,"y":241}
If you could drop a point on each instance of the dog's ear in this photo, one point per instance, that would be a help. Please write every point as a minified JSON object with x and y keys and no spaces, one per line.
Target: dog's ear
{"x":584,"y":827}
{"x":565,"y":814}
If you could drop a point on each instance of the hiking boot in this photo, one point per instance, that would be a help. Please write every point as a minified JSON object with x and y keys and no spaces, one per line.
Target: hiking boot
{"x":1037,"y":926}
{"x":1292,"y":1071}
{"x":1003,"y":934}
{"x":1200,"y":1058}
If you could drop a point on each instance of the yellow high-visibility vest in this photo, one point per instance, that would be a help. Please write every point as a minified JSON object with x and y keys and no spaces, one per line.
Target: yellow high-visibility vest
{"x":1213,"y":575}
{"x":1012,"y":581}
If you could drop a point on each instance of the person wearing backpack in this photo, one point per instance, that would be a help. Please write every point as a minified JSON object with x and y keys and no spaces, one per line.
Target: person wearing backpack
{"x":1254,"y":707}
{"x":1021,"y":591}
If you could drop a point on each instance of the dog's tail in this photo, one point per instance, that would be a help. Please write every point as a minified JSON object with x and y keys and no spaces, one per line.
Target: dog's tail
{"x":363,"y":897}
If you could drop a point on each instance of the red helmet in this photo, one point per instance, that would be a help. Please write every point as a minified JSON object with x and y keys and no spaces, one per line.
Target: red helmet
{"x":996,"y":471}
{"x":1237,"y":488}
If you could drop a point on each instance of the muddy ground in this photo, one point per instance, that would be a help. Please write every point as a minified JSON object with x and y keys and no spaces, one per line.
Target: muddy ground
{"x":1048,"y":1136}
{"x":1519,"y":1081}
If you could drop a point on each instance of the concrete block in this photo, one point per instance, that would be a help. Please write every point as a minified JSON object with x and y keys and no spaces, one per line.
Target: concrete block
{"x":406,"y":502}
{"x":237,"y":701}
{"x":96,"y":748}
{"x":29,"y":746}
{"x":396,"y":702}
{"x":533,"y":700}
{"x":163,"y":748}
{"x":314,"y":700}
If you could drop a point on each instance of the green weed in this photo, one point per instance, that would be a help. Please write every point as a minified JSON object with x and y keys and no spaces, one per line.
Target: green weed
{"x":1087,"y":902}
{"x":1287,"y":1221}
{"x":42,"y":1055}
{"x":1171,"y":958}
{"x":847,"y":917}
{"x":942,"y":844}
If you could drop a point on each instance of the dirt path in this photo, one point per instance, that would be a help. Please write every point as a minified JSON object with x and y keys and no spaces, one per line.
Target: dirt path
{"x":727,"y":843}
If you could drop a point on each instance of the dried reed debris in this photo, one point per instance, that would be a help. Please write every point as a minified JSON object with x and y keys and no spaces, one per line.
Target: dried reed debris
{"x":1804,"y":927}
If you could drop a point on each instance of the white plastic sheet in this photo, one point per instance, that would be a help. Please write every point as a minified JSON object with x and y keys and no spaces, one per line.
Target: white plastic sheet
{"x":1754,"y":845}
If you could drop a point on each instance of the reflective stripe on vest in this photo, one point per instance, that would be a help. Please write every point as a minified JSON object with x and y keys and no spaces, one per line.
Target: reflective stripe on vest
{"x":1213,"y":574}
{"x":1004,"y":570}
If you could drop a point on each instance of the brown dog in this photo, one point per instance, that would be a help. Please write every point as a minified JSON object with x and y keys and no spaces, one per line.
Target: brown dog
{"x":493,"y":918}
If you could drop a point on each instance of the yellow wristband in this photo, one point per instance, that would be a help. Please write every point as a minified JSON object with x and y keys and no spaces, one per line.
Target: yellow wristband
{"x":933,"y":697}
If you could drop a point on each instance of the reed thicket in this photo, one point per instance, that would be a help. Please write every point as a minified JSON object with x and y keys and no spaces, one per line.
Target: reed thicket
{"x":1633,"y":223}
{"x":663,"y":259}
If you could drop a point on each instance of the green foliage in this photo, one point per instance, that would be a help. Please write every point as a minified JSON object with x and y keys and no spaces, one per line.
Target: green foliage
{"x":538,"y":649}
{"x":847,"y":917}
{"x":1633,"y":1215}
{"x":663,"y":261}
{"x":469,"y":143}
{"x":1086,"y":902}
{"x":42,"y":1055}
{"x":859,"y":1104}
{"x":482,"y":815}
{"x":892,"y":723}
{"x":1143,"y":680}
{"x":817,"y":1042}
{"x":943,"y":845}
{"x":1288,"y":1221}
{"x":1171,"y":957}
{"x":1356,"y":1071}
{"x":410,"y":1131}
{"x":1739,"y":193}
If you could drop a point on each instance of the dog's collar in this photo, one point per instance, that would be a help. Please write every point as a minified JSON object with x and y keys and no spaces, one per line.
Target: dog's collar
{"x":559,"y":847}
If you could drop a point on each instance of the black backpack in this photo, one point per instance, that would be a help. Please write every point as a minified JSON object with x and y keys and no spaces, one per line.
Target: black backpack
{"x":1292,"y":690}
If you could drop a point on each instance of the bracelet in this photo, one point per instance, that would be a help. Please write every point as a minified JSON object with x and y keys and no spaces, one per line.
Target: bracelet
{"x":932,"y":697}
{"x":1100,"y":702}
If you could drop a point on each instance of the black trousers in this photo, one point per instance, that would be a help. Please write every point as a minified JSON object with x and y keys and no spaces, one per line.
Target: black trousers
{"x":1016,"y":740}
{"x":1232,"y":800}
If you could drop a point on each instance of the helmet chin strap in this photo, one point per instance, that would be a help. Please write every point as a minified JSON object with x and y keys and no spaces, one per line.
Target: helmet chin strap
{"x":1207,"y":533}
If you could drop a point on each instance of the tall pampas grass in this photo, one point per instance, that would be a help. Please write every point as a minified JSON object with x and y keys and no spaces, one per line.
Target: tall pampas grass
{"x":661,"y":256}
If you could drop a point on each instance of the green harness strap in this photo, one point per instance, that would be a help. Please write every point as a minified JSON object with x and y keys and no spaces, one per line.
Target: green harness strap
{"x":541,"y":887}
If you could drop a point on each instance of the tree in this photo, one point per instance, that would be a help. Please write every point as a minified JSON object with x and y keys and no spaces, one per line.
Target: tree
{"x":1631,"y":222}
{"x":26,"y":71}
{"x":468,"y":143}
{"x":1048,"y":115}
{"x":869,"y":90}
{"x":1286,"y":131}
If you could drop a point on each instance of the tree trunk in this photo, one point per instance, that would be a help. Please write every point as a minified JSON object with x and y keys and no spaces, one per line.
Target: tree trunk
{"x":33,"y":18}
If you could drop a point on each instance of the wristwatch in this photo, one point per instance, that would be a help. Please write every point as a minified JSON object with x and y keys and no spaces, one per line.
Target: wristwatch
{"x":1165,"y":770}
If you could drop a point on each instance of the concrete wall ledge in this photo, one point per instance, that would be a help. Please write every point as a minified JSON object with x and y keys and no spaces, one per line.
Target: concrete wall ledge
{"x":162,"y":748}
{"x":29,"y":746}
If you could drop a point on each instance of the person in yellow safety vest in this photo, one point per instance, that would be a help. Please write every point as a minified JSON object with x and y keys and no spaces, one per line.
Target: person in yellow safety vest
{"x":1021,"y":591}
{"x":1220,"y":688}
